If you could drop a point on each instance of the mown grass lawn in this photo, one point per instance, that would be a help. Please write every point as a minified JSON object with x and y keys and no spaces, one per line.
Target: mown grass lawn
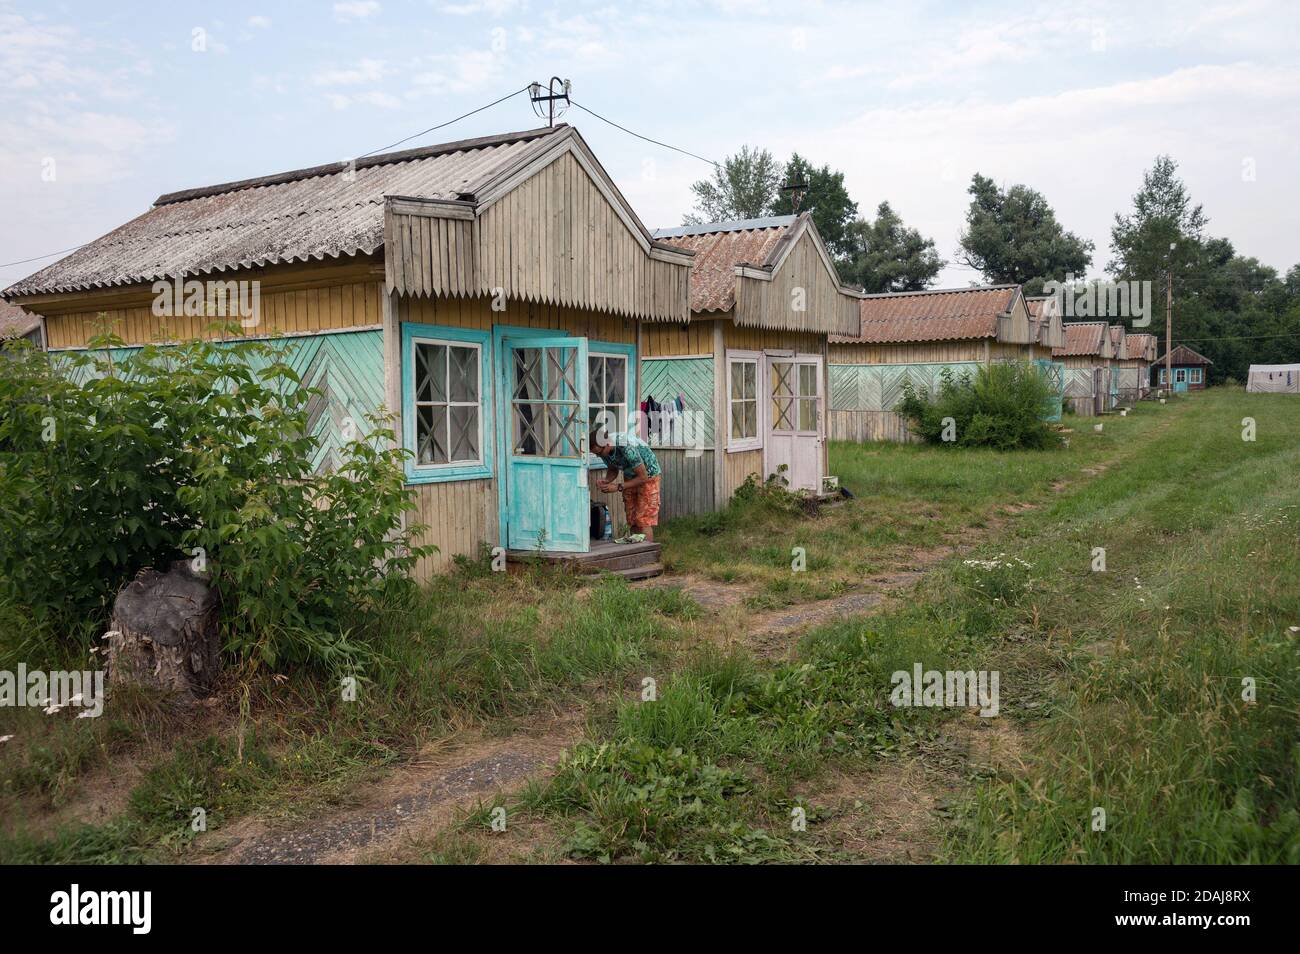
{"x":1123,"y":688}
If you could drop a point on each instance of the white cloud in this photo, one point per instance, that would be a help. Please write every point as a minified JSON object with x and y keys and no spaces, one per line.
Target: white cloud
{"x":461,"y":72}
{"x":1084,"y":149}
{"x":355,"y":10}
{"x":259,"y":22}
{"x":495,"y":8}
{"x":365,"y":71}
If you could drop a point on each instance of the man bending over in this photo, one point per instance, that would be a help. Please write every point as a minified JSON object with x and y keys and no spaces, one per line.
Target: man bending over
{"x":631,"y":456}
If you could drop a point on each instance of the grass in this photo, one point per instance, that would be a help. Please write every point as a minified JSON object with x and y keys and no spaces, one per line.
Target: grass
{"x":1122,"y":689}
{"x":472,"y":649}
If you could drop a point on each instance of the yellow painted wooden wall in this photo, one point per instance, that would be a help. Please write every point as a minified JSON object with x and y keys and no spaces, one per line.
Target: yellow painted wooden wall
{"x":292,"y":301}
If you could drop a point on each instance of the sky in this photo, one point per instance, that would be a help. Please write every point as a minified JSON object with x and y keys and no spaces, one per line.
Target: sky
{"x":106,"y":106}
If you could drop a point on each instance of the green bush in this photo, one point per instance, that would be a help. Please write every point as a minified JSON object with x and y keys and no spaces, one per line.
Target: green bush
{"x":198,"y":445}
{"x":1004,"y":406}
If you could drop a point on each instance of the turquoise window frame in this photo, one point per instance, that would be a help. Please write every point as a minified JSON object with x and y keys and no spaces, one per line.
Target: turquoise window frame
{"x":440,"y":473}
{"x":596,"y":348}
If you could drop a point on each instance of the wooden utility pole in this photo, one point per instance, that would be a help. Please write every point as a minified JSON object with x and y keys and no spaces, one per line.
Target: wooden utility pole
{"x":1169,"y":329}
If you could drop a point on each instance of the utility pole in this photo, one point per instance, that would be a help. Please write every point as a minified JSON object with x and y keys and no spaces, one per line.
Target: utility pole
{"x":1169,"y":321}
{"x":1169,"y":332}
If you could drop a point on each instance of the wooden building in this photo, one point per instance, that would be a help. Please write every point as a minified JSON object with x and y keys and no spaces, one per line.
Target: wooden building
{"x":1135,"y":367}
{"x":18,"y":324}
{"x":749,"y":366}
{"x":1087,"y":355}
{"x":1118,"y":348}
{"x":1191,"y":370}
{"x":1048,"y":332}
{"x":497,"y":294}
{"x":915,"y":337}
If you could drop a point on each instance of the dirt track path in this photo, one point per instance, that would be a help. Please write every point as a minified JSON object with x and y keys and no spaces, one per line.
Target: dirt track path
{"x":893,"y":804}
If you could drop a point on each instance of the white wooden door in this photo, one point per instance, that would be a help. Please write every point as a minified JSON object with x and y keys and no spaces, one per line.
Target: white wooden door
{"x":793,"y":416}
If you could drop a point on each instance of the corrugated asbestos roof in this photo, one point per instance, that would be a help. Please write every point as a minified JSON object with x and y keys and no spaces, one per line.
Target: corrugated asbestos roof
{"x":946,"y":314}
{"x":1140,"y":345}
{"x":325,"y":211}
{"x":719,"y":247}
{"x":1082,"y":337}
{"x":1185,"y":355}
{"x":14,"y":322}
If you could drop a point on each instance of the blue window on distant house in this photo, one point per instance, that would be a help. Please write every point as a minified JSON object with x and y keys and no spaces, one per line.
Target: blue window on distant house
{"x":1180,"y":375}
{"x":446,"y":424}
{"x":1163,"y":378}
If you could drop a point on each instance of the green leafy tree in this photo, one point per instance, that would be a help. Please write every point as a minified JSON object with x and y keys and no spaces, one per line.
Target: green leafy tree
{"x":1012,"y":237}
{"x":164,"y":450}
{"x":744,"y":186}
{"x":826,"y":198}
{"x":887,"y":256}
{"x":1164,"y":230}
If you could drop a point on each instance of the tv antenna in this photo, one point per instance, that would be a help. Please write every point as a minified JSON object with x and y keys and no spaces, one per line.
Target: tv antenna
{"x":795,"y":190}
{"x":556,"y":91}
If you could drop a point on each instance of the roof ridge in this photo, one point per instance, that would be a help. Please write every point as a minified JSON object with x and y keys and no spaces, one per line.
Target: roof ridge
{"x":383,"y":159}
{"x":731,"y":225}
{"x":940,"y":291}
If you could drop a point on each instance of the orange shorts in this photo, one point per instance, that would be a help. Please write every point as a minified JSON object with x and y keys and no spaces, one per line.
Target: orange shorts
{"x":641,"y":504}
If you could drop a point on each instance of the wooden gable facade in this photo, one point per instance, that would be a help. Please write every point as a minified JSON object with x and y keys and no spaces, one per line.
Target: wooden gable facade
{"x":749,"y":367}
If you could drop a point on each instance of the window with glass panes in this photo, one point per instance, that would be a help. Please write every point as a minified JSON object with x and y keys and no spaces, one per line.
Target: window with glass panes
{"x":607,"y":392}
{"x":794,"y":396}
{"x":448,"y":385}
{"x":744,"y":399}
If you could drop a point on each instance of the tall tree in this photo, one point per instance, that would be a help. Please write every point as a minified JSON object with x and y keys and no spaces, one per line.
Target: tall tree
{"x":1012,"y":236}
{"x":1163,"y":236}
{"x":826,"y":198}
{"x":743,"y":187}
{"x":887,"y":256}
{"x":1164,"y":227}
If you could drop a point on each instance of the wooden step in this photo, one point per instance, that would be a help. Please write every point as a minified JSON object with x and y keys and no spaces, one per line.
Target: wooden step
{"x":644,"y":572}
{"x":621,"y":559}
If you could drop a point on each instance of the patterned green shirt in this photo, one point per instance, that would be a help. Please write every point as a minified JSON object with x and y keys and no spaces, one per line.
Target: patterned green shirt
{"x":629,"y":451}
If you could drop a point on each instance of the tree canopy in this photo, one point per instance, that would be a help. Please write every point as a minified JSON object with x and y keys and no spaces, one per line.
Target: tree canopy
{"x":1012,"y":237}
{"x":887,"y":256}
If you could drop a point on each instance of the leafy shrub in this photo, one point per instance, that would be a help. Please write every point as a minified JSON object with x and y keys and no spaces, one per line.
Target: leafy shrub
{"x":167,"y":450}
{"x":1004,"y":406}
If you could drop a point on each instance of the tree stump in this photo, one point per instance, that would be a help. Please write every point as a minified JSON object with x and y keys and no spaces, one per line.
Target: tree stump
{"x":166,"y":633}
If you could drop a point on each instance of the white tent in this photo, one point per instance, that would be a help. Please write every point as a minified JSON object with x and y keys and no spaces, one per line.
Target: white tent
{"x":1274,"y":378}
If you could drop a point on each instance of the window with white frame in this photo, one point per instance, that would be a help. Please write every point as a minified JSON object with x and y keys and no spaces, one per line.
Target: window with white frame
{"x":607,"y":390}
{"x":742,"y":401}
{"x":447,"y":402}
{"x":1180,"y":375}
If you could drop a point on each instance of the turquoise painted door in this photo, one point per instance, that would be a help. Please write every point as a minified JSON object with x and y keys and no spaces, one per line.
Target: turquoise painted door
{"x":548,"y":499}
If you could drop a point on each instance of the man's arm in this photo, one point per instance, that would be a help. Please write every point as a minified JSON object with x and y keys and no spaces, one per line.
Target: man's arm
{"x":640,"y":478}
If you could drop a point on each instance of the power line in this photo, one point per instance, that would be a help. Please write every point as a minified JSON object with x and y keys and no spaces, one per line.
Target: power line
{"x":684,"y":152}
{"x":37,"y":258}
{"x":422,"y":132}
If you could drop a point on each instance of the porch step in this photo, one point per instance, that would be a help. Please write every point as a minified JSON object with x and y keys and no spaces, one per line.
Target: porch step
{"x":638,"y":572}
{"x":604,"y":556}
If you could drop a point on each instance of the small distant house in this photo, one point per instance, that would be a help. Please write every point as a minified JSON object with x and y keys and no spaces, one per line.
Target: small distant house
{"x":17,"y":324}
{"x":1135,"y":367}
{"x":1274,"y":379}
{"x":750,"y":362}
{"x":917,"y":338}
{"x":1191,"y":370}
{"x":1087,"y":355}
